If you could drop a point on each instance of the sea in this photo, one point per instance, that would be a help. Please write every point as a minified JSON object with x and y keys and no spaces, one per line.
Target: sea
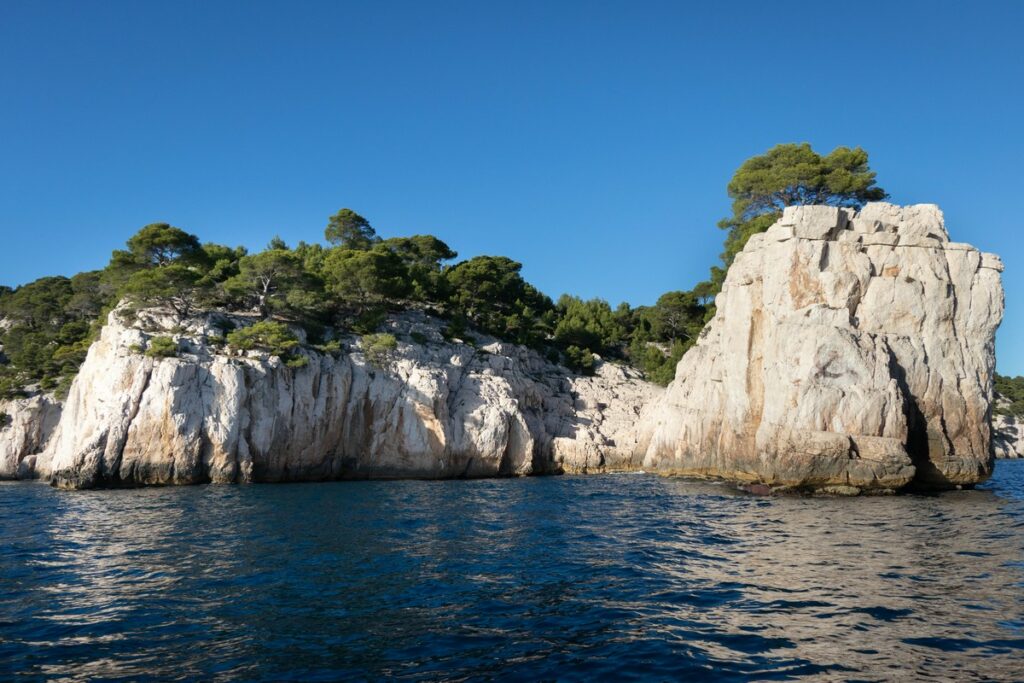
{"x":569,"y":578}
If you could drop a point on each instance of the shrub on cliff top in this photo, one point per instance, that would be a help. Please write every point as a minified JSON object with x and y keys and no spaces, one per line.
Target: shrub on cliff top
{"x":378,"y":348}
{"x":269,"y":336}
{"x":162,"y":347}
{"x":579,"y":360}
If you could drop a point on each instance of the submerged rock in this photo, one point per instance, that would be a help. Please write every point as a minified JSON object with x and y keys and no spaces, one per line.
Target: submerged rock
{"x":848,"y":351}
{"x":435,"y":409}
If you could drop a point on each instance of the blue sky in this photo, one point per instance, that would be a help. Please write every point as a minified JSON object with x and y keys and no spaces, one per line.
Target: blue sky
{"x":592,"y":141}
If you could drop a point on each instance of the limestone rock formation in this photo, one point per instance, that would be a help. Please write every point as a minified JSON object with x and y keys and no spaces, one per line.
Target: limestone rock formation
{"x":1007,"y":435}
{"x":850,"y":351}
{"x":436,"y":409}
{"x":26,"y":426}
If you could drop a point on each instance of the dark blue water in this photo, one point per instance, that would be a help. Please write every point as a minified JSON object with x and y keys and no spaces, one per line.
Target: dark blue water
{"x":572,"y":578}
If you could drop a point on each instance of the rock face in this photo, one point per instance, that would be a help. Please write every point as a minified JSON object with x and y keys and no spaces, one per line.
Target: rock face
{"x":1007,"y":436}
{"x":850,"y":351}
{"x":26,"y":428}
{"x":436,"y":409}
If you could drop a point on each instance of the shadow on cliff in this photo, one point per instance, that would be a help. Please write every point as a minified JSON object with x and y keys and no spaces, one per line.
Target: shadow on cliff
{"x":927,"y":477}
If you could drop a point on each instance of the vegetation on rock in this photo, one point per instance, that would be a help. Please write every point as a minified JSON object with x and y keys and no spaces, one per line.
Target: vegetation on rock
{"x":273,"y":337}
{"x":46,"y":326}
{"x":789,"y":175}
{"x":162,"y":347}
{"x":379,"y":348}
{"x":1012,"y":390}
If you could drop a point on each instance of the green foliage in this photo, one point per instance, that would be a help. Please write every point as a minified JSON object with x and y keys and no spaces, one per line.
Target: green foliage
{"x":369,"y":320}
{"x":296,"y":362}
{"x":419,"y":338}
{"x":332,"y":347}
{"x":489,"y":292}
{"x":1011,"y":389}
{"x":273,"y":281}
{"x":675,"y":316}
{"x":162,"y":347}
{"x":379,"y":348}
{"x":579,"y":360}
{"x":219,"y":263}
{"x":158,"y":244}
{"x":421,"y":257}
{"x":364,"y":277}
{"x":49,"y":330}
{"x":589,"y":325}
{"x":63,"y":386}
{"x":39,"y":304}
{"x":274,"y":337}
{"x":657,"y":361}
{"x":5,"y":419}
{"x":89,"y":296}
{"x":349,"y":230}
{"x":175,"y":286}
{"x":791,"y":175}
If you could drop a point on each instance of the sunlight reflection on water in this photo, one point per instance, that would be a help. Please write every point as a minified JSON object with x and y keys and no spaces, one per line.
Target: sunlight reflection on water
{"x":568,"y":577}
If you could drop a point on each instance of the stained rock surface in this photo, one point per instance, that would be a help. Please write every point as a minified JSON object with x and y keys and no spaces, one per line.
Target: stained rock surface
{"x":436,"y":409}
{"x":850,"y":352}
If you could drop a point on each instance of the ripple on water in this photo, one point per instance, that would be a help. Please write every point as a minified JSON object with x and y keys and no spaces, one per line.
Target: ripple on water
{"x":617,"y":577}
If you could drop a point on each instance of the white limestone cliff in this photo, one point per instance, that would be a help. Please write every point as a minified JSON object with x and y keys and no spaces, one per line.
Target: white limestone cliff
{"x":26,"y":428}
{"x":436,"y":409}
{"x":1007,"y":435}
{"x":850,"y":351}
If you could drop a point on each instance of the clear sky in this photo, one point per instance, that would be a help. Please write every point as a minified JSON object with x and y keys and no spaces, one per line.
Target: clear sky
{"x":592,"y":141}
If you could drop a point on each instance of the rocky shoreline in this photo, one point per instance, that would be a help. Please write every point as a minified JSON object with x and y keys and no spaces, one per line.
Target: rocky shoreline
{"x":851,"y":352}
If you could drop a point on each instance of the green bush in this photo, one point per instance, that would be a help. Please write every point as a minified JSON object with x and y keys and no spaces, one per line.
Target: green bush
{"x":368,"y":321}
{"x":658,"y":366}
{"x":296,"y":362}
{"x":418,"y":337}
{"x":379,"y":348}
{"x":1011,"y":389}
{"x":63,"y":387}
{"x":580,"y":360}
{"x":332,"y":347}
{"x":162,"y":347}
{"x":273,"y":337}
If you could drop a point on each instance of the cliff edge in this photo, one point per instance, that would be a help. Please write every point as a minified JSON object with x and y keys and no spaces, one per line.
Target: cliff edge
{"x":850,"y":351}
{"x":433,"y":409}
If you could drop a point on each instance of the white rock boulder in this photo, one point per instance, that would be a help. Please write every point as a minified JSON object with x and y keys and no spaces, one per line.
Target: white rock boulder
{"x":851,"y":350}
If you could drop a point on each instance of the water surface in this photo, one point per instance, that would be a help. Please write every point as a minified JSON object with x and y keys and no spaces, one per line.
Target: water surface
{"x":619,"y":577}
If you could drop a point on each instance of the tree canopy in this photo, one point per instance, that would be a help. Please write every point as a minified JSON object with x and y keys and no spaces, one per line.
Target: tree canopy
{"x":490,"y":292}
{"x":350,"y":230}
{"x":1012,"y":390}
{"x":159,"y":244}
{"x":791,"y":175}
